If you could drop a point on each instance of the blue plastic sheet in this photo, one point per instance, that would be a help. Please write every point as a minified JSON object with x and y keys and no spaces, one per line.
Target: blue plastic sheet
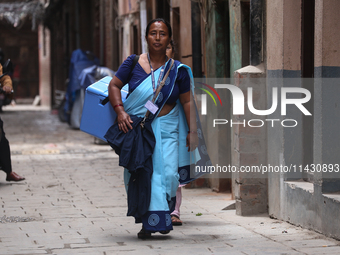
{"x":79,"y":61}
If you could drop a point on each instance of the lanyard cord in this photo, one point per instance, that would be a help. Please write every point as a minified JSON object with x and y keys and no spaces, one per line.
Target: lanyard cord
{"x":153,"y":75}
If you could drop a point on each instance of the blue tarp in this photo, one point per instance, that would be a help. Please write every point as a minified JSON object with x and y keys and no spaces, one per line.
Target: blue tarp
{"x":92,"y":74}
{"x":84,"y":71}
{"x":79,"y":61}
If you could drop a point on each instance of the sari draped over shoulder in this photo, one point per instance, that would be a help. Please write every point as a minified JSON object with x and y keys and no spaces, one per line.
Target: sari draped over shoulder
{"x":171,"y":161}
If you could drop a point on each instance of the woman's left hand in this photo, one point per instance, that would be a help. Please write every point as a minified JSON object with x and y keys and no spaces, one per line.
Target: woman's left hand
{"x":192,"y":141}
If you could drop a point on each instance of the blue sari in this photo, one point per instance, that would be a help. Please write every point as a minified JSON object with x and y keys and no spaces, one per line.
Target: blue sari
{"x":171,"y":160}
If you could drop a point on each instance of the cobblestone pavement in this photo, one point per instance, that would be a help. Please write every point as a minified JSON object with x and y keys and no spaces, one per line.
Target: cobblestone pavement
{"x":73,"y":202}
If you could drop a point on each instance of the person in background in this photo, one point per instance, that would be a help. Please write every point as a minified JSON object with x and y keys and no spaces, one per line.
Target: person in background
{"x":175,"y":215}
{"x":5,"y":153}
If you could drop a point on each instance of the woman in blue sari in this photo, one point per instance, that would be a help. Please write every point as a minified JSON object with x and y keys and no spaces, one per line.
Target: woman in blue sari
{"x":174,"y":128}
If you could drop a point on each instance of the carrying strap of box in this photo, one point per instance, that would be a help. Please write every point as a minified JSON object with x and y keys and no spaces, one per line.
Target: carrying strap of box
{"x":134,"y":62}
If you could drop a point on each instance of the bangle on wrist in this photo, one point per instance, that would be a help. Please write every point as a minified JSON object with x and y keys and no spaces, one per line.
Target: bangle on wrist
{"x":117,"y":105}
{"x":192,"y":132}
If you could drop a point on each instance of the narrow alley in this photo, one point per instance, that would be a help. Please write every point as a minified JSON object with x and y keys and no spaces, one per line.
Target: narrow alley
{"x":73,"y":201}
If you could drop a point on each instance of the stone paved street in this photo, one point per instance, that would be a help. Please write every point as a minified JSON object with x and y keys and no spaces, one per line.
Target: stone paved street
{"x":73,"y":201}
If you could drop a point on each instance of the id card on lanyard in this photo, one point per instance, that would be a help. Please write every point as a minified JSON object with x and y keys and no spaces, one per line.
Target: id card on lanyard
{"x":153,"y":108}
{"x":154,"y":87}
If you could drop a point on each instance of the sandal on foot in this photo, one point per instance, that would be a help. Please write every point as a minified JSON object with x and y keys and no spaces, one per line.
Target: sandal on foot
{"x":176,"y":221}
{"x":143,"y":234}
{"x":164,"y":232}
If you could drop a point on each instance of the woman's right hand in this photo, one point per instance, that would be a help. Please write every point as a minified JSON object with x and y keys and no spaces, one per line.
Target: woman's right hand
{"x":124,"y":121}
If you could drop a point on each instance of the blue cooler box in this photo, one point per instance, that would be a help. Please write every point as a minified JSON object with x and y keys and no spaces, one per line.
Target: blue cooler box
{"x":97,"y":117}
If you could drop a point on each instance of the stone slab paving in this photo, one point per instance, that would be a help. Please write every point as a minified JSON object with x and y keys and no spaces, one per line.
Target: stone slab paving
{"x":73,"y":201}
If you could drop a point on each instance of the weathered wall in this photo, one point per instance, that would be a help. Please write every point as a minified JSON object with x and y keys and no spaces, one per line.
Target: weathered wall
{"x":283,"y":38}
{"x":126,"y":7}
{"x":109,"y":32}
{"x":283,"y":62}
{"x":327,"y":51}
{"x":67,"y":36}
{"x":216,"y":66}
{"x":250,"y":145}
{"x":44,"y":66}
{"x":21,"y":46}
{"x":235,"y":35}
{"x":210,"y":44}
{"x":308,"y":204}
{"x":326,"y":113}
{"x":185,"y":31}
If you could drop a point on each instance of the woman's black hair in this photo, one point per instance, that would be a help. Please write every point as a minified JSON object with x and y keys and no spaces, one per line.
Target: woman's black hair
{"x":158,"y":20}
{"x":172,"y":45}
